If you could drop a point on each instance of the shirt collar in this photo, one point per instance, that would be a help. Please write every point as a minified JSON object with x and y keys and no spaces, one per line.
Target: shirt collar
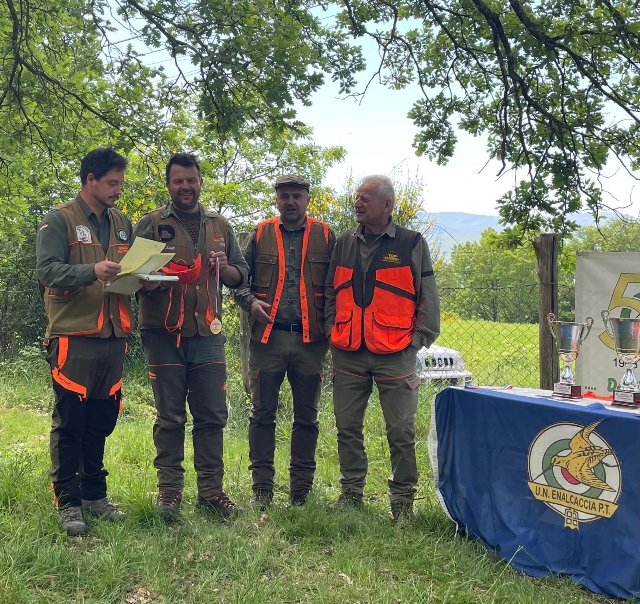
{"x":390,"y":230}
{"x":88,"y":212}
{"x":170,"y":209}
{"x":302,"y":227}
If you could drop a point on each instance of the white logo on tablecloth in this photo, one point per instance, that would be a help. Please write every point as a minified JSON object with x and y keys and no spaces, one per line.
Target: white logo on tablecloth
{"x":574,"y":471}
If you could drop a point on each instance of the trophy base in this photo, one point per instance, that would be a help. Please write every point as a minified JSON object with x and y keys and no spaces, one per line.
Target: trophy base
{"x":626,"y":398}
{"x":567,"y":390}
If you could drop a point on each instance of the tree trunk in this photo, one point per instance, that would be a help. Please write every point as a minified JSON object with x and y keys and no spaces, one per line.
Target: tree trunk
{"x":546,"y":247}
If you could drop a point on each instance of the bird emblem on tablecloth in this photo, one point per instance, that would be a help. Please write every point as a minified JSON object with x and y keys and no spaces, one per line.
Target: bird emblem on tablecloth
{"x":583,"y":458}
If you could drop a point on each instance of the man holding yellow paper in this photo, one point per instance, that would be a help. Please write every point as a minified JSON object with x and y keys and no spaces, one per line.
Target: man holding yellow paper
{"x":181,"y":327}
{"x":79,"y":248}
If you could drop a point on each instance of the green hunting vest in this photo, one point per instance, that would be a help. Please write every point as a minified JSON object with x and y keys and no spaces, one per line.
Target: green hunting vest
{"x":90,"y":310}
{"x":181,"y":308}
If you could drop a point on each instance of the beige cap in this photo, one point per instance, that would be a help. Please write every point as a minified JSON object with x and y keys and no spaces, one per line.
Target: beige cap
{"x":293,"y":180}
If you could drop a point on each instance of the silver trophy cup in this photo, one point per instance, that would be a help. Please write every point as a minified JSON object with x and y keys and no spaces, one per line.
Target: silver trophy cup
{"x":626,"y":340}
{"x":568,"y":337}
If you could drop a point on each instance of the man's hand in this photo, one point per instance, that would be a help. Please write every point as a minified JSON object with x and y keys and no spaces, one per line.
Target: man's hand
{"x":106,"y":270}
{"x":150,"y":285}
{"x":259,"y":311}
{"x":228,"y":274}
{"x":223,"y":262}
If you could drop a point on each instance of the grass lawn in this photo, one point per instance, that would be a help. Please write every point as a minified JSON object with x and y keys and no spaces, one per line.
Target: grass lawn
{"x":309,"y":554}
{"x":497,"y":354}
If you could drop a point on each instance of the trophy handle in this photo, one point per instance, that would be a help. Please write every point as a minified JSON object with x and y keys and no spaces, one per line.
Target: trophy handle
{"x":589,"y":323}
{"x":550,"y":320}
{"x":605,"y":317}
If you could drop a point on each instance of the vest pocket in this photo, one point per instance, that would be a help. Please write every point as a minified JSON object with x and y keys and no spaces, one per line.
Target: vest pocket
{"x":76,"y":310}
{"x":264,"y":267}
{"x":392,"y":333}
{"x":319,"y":264}
{"x":63,"y":293}
{"x":318,"y":301}
{"x":341,"y":334}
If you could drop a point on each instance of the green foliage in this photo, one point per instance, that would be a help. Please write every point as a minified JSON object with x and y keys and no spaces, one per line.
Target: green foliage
{"x":553,"y":85}
{"x":482,"y":281}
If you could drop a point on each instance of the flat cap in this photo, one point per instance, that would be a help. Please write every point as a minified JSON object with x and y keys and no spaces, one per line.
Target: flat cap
{"x":292,"y":179}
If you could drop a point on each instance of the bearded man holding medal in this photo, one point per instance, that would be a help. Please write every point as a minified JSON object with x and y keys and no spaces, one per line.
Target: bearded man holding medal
{"x":180,"y":326}
{"x":288,"y":257}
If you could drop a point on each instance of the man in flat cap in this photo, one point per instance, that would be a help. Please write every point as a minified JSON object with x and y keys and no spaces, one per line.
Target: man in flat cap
{"x":288,"y":258}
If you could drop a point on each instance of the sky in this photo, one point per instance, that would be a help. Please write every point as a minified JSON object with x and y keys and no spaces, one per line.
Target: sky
{"x":378,"y":136}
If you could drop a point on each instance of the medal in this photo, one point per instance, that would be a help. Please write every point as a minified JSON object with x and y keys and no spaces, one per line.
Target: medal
{"x":215,"y":326}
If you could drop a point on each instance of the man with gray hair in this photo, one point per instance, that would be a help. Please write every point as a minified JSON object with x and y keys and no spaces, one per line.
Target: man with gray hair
{"x":381,"y":307}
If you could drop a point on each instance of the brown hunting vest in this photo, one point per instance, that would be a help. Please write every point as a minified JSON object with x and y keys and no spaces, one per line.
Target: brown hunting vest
{"x":185,"y":308}
{"x":90,"y":310}
{"x":268,"y":277}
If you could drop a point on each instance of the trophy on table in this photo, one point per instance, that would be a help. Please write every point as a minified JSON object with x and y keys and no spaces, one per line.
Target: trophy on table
{"x":568,"y":337}
{"x":626,"y":340}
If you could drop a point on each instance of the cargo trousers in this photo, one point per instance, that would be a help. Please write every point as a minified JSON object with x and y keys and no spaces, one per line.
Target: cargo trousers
{"x":397,"y":382}
{"x":87,"y":383}
{"x":189,"y":370}
{"x":284,"y":353}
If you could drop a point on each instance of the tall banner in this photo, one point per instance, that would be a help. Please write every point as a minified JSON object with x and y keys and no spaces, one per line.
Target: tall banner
{"x":604,"y":281}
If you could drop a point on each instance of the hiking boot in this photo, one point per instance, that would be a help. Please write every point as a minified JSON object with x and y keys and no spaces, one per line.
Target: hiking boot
{"x":71,"y":521}
{"x":349,"y":499}
{"x":402,"y":512}
{"x":261,"y":499}
{"x":220,"y":504}
{"x":168,"y":505}
{"x":299,"y":497}
{"x":103,"y":508}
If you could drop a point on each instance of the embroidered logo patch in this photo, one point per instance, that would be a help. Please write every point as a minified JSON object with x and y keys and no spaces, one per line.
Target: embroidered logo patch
{"x":166,"y":232}
{"x":122,"y":235}
{"x":83,"y":234}
{"x":392,"y":257}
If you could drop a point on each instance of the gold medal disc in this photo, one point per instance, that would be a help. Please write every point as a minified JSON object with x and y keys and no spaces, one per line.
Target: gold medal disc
{"x":216,"y":326}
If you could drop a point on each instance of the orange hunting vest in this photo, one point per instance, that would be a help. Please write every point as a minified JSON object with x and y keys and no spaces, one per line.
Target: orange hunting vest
{"x":268,"y":274}
{"x":376,"y":309}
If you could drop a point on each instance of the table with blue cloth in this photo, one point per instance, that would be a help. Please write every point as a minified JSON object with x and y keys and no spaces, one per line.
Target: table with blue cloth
{"x":550,"y":486}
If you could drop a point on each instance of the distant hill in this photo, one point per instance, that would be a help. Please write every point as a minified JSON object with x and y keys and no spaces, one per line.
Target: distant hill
{"x":459,"y":227}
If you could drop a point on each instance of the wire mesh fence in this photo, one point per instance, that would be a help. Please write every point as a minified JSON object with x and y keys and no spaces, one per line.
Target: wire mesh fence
{"x":490,"y":332}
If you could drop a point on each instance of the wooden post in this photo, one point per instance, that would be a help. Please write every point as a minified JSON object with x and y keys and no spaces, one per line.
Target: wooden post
{"x":245,"y":332}
{"x":546,"y":247}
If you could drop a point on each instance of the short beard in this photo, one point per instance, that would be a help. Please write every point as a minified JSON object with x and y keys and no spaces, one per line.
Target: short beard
{"x":178,"y":204}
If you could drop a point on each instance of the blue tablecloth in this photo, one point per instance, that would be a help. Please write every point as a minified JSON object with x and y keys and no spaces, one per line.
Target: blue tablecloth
{"x":550,"y":486}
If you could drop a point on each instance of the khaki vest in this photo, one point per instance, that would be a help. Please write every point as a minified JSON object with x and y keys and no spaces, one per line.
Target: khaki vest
{"x":90,"y":310}
{"x":189,"y":308}
{"x":268,"y":269}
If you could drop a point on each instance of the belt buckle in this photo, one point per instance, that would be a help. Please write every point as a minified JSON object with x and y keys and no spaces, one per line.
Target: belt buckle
{"x":292,"y":326}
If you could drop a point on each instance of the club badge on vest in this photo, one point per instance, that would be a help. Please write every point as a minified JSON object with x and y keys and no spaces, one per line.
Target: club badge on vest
{"x":166,"y":232}
{"x":219,"y":244}
{"x":83,"y":234}
{"x":122,"y":235}
{"x":392,"y":257}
